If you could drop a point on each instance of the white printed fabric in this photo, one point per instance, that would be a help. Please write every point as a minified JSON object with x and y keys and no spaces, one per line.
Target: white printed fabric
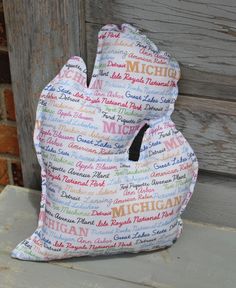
{"x":94,"y":199}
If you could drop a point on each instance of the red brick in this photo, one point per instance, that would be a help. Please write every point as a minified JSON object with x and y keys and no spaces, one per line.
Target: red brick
{"x":1,"y":109}
{"x":17,"y":173}
{"x":9,"y":103}
{"x":8,"y":140}
{"x":4,"y":179}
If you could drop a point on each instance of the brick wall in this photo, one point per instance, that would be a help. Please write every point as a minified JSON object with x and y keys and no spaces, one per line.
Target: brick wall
{"x":10,"y":168}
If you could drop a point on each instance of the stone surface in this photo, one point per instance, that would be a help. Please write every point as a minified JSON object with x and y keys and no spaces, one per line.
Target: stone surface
{"x":204,"y":256}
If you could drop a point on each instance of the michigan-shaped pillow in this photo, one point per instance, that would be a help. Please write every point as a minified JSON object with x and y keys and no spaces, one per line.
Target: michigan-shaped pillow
{"x":95,"y":199}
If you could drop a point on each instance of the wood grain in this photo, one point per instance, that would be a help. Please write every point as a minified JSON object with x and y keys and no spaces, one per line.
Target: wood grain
{"x":212,"y":205}
{"x":209,"y":124}
{"x":200,"y":34}
{"x":42,"y":35}
{"x":210,"y":127}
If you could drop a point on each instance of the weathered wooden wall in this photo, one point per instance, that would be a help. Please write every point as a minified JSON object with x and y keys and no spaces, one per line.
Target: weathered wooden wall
{"x":42,"y":35}
{"x":200,"y":34}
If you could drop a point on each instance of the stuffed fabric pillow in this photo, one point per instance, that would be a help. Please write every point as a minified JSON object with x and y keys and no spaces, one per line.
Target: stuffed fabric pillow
{"x":96,"y":198}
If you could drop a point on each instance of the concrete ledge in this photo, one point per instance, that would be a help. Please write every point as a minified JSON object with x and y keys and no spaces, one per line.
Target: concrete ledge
{"x":204,"y":256}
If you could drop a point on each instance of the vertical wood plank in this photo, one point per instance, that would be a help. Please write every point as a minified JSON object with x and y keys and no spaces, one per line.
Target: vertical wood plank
{"x":42,"y":35}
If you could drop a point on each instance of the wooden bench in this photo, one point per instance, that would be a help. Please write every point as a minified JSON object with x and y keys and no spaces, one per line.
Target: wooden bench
{"x":204,"y":256}
{"x":201,"y":35}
